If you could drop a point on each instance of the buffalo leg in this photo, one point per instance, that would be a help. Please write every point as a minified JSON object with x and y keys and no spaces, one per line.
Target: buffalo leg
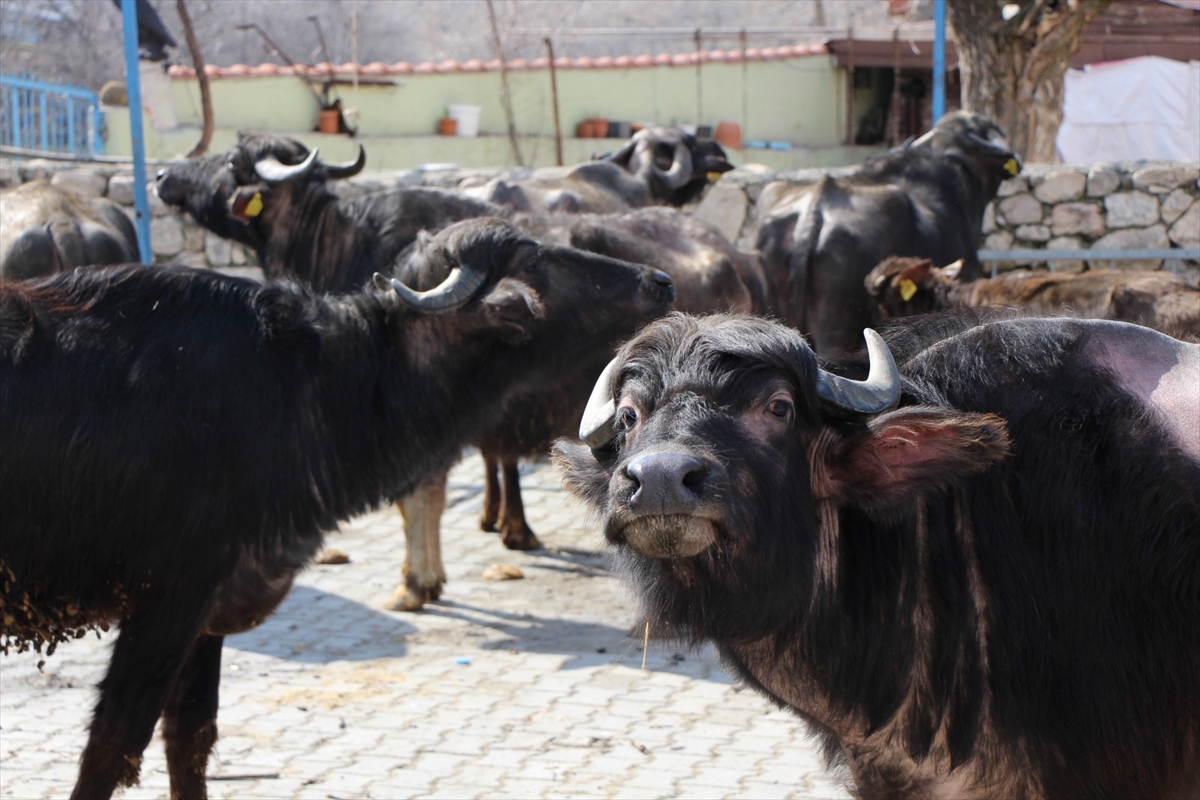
{"x":422,"y":575}
{"x":190,"y":718}
{"x":150,"y":650}
{"x":491,"y":494}
{"x":514,"y":531}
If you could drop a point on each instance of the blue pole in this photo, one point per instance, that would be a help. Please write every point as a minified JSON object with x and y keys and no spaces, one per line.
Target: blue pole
{"x":939,"y":59}
{"x":133,"y":80}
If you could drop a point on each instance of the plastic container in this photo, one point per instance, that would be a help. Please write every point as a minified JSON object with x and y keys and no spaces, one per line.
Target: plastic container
{"x":467,"y":117}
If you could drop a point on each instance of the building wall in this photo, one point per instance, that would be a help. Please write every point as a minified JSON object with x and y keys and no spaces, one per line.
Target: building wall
{"x":799,"y":101}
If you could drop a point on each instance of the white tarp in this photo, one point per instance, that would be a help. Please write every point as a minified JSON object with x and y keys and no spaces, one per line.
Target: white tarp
{"x":1142,"y":108}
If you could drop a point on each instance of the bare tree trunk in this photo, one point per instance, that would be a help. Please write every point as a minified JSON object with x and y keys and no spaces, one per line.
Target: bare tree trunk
{"x":205,"y":93}
{"x":1012,"y":70}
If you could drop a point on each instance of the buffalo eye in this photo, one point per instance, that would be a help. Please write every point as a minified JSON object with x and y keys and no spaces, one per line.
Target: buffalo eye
{"x":780,"y":408}
{"x":626,"y":418}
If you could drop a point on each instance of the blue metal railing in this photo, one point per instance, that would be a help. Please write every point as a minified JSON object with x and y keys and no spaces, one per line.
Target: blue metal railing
{"x":50,"y":118}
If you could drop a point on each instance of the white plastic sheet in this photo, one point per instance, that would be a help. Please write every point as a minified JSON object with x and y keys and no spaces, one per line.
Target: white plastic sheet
{"x":1142,"y":108}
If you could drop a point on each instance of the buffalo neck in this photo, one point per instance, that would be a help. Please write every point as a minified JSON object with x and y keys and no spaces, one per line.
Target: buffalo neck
{"x":401,"y":393}
{"x":311,"y":237}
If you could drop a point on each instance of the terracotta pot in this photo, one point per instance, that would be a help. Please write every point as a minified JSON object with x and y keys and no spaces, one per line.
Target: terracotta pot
{"x":729,"y":134}
{"x":599,"y":127}
{"x":327,"y":120}
{"x":448,"y":126}
{"x":584,"y":130}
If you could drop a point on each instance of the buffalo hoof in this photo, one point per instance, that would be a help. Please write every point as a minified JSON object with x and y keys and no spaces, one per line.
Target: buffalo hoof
{"x":519,"y":537}
{"x":406,"y":598}
{"x":487,"y":522}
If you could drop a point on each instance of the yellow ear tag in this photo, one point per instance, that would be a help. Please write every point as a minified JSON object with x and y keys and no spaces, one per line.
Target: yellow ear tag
{"x":1012,"y":167}
{"x":254,"y":207}
{"x":713,"y":177}
{"x":907,"y":289}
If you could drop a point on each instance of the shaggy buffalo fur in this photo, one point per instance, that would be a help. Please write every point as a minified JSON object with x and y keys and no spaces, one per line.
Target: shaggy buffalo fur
{"x":990,"y":591}
{"x":174,"y":443}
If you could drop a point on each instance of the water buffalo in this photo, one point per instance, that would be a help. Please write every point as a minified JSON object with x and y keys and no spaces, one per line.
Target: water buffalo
{"x":270,"y":193}
{"x":709,"y":275}
{"x":46,"y":229}
{"x":975,"y":572}
{"x":818,"y":241}
{"x":1160,"y":300}
{"x":175,"y":443}
{"x":658,"y":166}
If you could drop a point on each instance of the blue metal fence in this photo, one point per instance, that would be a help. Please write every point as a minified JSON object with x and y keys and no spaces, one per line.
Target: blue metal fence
{"x":50,"y":118}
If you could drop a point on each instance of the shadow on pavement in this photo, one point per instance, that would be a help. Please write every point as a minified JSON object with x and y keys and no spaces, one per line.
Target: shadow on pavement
{"x":585,"y":644}
{"x":317,"y":627}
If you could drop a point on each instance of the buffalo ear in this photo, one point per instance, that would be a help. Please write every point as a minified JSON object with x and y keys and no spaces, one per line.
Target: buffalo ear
{"x":905,"y":453}
{"x":513,"y":308}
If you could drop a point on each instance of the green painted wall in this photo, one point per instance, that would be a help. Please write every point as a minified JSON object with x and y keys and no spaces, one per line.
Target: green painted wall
{"x":800,"y":101}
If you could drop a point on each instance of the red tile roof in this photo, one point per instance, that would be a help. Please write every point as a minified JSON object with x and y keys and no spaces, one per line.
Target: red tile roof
{"x":378,"y":69}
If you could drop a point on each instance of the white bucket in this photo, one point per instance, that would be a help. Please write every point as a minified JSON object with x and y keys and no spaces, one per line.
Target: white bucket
{"x":467,"y":117}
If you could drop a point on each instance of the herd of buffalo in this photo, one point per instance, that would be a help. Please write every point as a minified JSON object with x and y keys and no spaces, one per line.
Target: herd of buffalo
{"x":965,"y":548}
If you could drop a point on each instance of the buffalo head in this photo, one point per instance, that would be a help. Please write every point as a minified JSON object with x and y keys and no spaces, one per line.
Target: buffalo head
{"x":225,"y":192}
{"x":980,"y":140}
{"x":718,"y":452}
{"x":676,"y":166}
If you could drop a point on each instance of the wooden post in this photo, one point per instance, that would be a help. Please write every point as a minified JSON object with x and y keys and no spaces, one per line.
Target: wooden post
{"x":699,"y":85}
{"x":554,"y":98}
{"x":506,"y":95}
{"x":850,"y":109}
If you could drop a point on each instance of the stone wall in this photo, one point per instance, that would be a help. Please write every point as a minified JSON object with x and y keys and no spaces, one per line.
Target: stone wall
{"x":1119,"y":206}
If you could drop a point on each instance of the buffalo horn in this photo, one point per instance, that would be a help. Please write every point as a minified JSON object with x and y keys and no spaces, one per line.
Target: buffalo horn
{"x":596,"y":427}
{"x":459,"y":287}
{"x":349,"y":169}
{"x":273,"y":171}
{"x":620,"y":156}
{"x":988,"y":144}
{"x":879,"y":392}
{"x":681,"y":168}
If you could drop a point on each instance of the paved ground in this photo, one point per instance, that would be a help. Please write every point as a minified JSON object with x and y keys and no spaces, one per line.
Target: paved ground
{"x":527,"y":688}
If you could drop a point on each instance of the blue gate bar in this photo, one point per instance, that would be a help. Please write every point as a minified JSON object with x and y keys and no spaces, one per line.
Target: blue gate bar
{"x":45,"y":120}
{"x":939,"y":59}
{"x":71,"y":123}
{"x":133,"y":80}
{"x":16,"y":116}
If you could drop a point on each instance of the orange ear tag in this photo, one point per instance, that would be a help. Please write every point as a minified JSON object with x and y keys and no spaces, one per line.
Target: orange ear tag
{"x":907,"y":289}
{"x":1012,"y":167}
{"x":255,"y":206}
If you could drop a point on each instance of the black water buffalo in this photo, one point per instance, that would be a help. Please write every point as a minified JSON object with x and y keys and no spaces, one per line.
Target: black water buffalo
{"x":658,"y":166}
{"x":976,"y":574}
{"x":46,"y":229}
{"x":901,"y":287}
{"x":174,"y":443}
{"x":927,"y":198}
{"x":709,"y":275}
{"x":270,"y":193}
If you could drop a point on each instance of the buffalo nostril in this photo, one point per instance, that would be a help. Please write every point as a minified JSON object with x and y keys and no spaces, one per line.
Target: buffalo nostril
{"x":666,"y":483}
{"x":662,"y":278}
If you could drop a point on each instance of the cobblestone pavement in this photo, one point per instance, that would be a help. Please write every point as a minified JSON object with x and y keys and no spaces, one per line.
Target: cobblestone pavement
{"x":527,"y":688}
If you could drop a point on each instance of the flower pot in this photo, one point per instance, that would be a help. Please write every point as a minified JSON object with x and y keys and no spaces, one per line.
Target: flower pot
{"x":729,"y":134}
{"x":327,"y":120}
{"x":447,"y":126}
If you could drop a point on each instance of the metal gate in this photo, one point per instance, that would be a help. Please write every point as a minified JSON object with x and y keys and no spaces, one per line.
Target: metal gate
{"x":50,"y":118}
